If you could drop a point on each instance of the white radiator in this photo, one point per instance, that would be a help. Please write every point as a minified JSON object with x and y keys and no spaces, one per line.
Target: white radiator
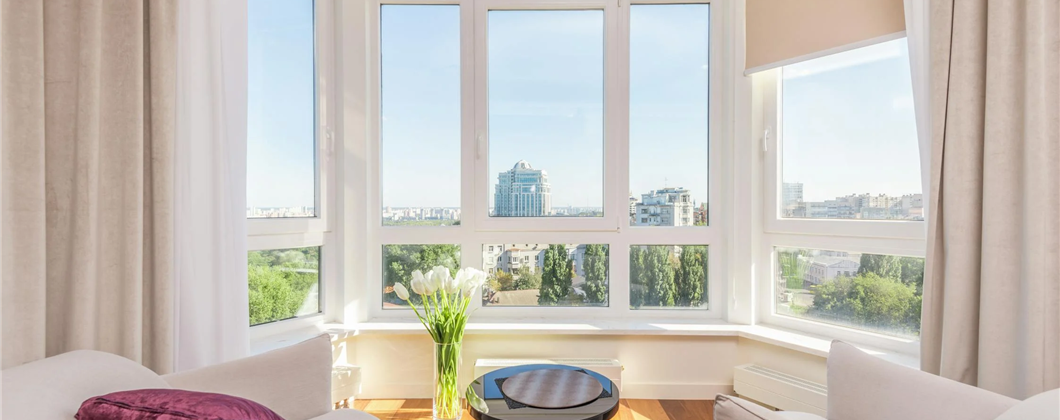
{"x":780,"y":390}
{"x":610,"y":368}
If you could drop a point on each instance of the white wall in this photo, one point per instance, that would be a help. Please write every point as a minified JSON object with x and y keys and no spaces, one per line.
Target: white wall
{"x":659,"y":367}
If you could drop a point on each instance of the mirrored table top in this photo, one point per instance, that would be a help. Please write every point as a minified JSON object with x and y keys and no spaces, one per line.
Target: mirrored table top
{"x":485,"y":401}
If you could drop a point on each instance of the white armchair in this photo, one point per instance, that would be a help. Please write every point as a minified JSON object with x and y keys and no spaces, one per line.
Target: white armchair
{"x":865,"y":387}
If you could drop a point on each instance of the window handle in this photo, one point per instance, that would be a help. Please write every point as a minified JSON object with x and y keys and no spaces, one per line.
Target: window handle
{"x":479,"y":146}
{"x":765,"y":140}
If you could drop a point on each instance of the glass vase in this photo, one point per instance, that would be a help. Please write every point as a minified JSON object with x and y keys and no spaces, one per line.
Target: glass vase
{"x":446,"y":376}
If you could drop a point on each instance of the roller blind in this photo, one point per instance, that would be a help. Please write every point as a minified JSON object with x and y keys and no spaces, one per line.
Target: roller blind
{"x":782,"y":31}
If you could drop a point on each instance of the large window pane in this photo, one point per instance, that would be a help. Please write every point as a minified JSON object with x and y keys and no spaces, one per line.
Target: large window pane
{"x":545,"y":274}
{"x":849,"y":137}
{"x":668,"y":115}
{"x":420,"y":127}
{"x":546,"y":92}
{"x":283,"y":283}
{"x":281,"y":136}
{"x":668,"y":276}
{"x":881,"y":293}
{"x":399,"y":261}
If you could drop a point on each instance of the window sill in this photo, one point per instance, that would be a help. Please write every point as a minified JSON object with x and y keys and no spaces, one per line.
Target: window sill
{"x":781,"y":337}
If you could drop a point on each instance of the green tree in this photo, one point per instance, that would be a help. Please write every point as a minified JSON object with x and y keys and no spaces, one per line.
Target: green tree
{"x":595,"y":267}
{"x":501,"y":281}
{"x":913,"y":272}
{"x":258,"y":259}
{"x":793,"y":267}
{"x":637,"y":286}
{"x":691,"y":276}
{"x":277,"y":293}
{"x":526,"y":279}
{"x":869,"y":300}
{"x":659,"y":276}
{"x":888,"y":266}
{"x":399,"y":261}
{"x":556,"y":279}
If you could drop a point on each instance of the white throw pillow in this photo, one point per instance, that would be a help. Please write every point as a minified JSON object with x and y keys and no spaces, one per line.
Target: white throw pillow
{"x":1044,"y":406}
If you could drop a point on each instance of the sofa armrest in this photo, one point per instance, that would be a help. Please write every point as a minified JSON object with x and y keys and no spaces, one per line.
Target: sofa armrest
{"x":865,"y":387}
{"x":293,"y":381}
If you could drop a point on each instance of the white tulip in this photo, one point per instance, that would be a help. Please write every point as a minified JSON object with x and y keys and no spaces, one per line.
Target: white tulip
{"x":475,"y":279}
{"x":451,"y":286}
{"x":401,"y":291}
{"x":418,"y":286}
{"x":428,"y":283}
{"x":439,"y":278}
{"x":468,"y":289}
{"x":479,"y":277}
{"x":419,"y":283}
{"x":463,"y":275}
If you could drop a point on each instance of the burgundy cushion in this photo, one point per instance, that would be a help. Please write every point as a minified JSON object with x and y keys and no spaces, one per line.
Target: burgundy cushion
{"x":172,"y":404}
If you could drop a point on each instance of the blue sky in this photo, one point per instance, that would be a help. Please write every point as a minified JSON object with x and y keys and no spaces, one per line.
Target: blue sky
{"x":849,"y":125}
{"x":848,"y":118}
{"x":280,"y":131}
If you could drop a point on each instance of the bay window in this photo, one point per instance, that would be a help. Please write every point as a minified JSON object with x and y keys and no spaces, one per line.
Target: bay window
{"x":593,"y":157}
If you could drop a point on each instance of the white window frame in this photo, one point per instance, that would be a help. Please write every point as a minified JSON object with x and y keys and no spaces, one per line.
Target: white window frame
{"x":317,"y":231}
{"x":477,"y":229}
{"x":887,"y":237}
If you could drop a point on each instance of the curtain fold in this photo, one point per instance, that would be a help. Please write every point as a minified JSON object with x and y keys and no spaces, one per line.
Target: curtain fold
{"x":211,"y":252}
{"x":991,"y":314}
{"x":88,"y":162}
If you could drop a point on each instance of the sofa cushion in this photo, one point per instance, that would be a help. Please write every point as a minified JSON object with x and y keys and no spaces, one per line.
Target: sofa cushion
{"x":734,"y":408}
{"x":54,"y":388}
{"x":164,"y":404}
{"x":1044,"y":406}
{"x":866,"y":387}
{"x":294,"y":381}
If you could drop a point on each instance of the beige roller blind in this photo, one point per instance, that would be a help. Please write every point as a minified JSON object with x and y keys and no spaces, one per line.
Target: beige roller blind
{"x":779,"y":31}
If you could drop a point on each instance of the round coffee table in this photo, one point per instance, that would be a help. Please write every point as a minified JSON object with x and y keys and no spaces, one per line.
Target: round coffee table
{"x":485,"y":400}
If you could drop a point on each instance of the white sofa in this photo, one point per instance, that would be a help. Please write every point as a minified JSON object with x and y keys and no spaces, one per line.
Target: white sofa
{"x":294,"y":381}
{"x":865,"y":387}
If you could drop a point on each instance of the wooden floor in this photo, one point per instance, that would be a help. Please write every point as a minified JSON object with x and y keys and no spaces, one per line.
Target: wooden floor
{"x":630,"y":410}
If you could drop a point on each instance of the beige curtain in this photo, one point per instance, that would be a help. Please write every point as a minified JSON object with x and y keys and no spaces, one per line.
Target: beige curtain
{"x":992,"y":287}
{"x":88,"y":132}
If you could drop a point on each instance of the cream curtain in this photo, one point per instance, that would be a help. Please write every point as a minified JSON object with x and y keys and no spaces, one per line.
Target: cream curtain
{"x":991,"y":313}
{"x":211,"y":184}
{"x":88,"y":136}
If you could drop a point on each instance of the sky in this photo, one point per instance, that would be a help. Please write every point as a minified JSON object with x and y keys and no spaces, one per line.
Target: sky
{"x":280,"y":95}
{"x":848,"y":119}
{"x":849,"y":126}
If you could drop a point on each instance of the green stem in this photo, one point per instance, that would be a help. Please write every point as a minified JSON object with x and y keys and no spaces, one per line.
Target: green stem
{"x":446,"y":394}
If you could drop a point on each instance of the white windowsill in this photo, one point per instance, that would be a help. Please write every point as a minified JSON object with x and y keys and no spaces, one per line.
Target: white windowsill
{"x":781,"y":337}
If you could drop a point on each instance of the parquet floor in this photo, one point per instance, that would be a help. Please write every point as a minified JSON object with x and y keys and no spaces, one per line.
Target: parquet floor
{"x":631,"y":409}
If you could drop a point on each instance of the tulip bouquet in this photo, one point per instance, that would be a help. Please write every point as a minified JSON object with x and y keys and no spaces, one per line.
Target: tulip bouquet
{"x":445,"y":300}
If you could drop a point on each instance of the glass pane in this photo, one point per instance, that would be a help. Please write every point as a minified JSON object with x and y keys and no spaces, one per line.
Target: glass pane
{"x":283,"y":283}
{"x":880,"y":293}
{"x":281,"y":113}
{"x":668,"y":114}
{"x":850,"y":145}
{"x":545,"y":274}
{"x":420,"y":127}
{"x":668,"y":277}
{"x":399,"y":261}
{"x":546,"y":91}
